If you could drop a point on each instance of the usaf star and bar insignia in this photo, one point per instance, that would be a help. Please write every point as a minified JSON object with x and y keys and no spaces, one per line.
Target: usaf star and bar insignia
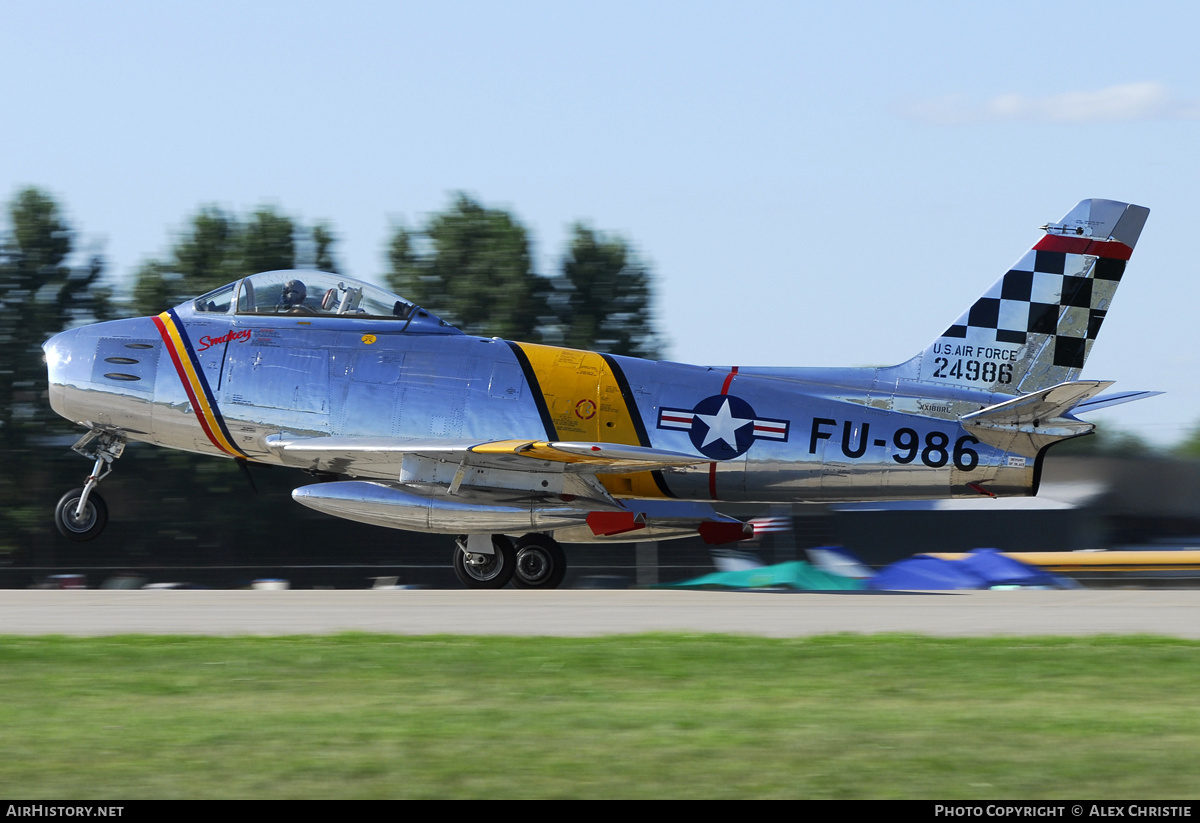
{"x":723,"y":426}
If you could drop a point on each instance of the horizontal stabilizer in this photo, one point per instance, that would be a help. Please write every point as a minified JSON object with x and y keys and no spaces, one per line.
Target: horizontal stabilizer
{"x":1114,"y":399}
{"x":1029,"y":423}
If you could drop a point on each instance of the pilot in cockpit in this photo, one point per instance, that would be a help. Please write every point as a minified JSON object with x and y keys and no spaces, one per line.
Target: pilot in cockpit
{"x":291,"y":301}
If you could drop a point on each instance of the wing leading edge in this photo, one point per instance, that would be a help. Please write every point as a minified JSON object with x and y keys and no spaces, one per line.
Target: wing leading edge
{"x":383,"y":458}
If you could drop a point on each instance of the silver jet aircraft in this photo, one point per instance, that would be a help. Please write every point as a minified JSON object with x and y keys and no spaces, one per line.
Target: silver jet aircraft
{"x":418,"y":426}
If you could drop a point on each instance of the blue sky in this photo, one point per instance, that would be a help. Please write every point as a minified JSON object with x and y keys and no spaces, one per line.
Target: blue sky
{"x":813,"y":184}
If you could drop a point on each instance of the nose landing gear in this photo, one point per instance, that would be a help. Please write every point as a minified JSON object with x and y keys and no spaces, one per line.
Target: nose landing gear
{"x":82,"y":514}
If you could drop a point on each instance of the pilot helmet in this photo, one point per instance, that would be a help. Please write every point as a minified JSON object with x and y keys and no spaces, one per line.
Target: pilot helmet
{"x":294,"y":292}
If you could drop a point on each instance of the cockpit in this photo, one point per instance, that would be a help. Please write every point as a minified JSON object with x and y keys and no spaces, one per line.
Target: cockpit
{"x":315,"y":294}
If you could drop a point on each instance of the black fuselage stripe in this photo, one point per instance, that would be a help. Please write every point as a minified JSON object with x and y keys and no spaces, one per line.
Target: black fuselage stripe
{"x":660,"y":480}
{"x":635,"y":415}
{"x":627,"y":396}
{"x":535,"y":389}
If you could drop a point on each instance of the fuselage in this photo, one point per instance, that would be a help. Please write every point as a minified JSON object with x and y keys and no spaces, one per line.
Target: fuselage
{"x":226,"y":382}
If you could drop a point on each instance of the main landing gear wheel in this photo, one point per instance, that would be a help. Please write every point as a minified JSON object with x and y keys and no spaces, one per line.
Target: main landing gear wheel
{"x":541,"y":563}
{"x":485,"y":571}
{"x":80,"y":526}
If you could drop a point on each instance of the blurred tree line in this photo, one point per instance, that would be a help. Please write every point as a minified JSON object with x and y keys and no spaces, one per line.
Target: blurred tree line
{"x":40,"y":294}
{"x":470,"y":264}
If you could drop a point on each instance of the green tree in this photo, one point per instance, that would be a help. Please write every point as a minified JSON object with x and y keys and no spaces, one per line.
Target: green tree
{"x":267,"y":243}
{"x":323,"y":240}
{"x":206,"y":255}
{"x":40,"y":294}
{"x":608,"y":296}
{"x":1189,"y":447}
{"x":471,"y":266}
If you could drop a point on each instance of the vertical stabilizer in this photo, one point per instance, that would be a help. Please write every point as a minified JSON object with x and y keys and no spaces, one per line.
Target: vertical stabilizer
{"x":1035,"y":326}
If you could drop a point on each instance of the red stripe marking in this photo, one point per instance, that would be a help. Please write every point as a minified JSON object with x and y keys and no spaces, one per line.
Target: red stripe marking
{"x":728,"y":380}
{"x":187,"y":387}
{"x":712,"y":467}
{"x":758,"y":427}
{"x":1111,"y":249}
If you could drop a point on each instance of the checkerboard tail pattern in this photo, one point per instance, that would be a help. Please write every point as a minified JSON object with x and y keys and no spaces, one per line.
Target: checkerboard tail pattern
{"x":1035,"y":326}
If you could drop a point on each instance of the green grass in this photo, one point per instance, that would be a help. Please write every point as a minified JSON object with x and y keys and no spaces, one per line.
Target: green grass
{"x":647,"y":716}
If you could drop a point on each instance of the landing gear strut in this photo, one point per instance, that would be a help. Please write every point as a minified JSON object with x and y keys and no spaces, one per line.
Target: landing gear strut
{"x":536,"y":562}
{"x":82,"y":514}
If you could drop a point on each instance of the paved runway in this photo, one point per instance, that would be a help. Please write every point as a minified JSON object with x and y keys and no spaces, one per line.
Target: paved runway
{"x":589,"y":613}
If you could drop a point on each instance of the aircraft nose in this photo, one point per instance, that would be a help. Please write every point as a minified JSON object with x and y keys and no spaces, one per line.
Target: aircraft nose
{"x":58,"y":351}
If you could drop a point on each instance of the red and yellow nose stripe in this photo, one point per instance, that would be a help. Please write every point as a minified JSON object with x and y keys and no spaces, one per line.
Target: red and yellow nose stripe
{"x":187,"y":366}
{"x":584,"y":396}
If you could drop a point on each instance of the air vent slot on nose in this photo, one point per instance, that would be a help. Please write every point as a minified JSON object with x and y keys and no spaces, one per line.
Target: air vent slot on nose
{"x":135,"y":371}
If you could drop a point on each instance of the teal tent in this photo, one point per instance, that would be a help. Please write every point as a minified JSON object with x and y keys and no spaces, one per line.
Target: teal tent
{"x":794,"y":575}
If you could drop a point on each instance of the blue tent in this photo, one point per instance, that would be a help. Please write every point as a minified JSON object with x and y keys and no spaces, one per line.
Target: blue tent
{"x":922,"y":572}
{"x":981,"y":569}
{"x":999,"y":569}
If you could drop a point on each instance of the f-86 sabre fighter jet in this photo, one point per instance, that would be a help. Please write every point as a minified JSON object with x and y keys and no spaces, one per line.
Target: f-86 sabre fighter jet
{"x":519,"y":448}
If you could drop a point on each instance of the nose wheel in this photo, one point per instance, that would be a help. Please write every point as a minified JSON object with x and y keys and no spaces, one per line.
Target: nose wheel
{"x":82,"y":514}
{"x":81,"y":523}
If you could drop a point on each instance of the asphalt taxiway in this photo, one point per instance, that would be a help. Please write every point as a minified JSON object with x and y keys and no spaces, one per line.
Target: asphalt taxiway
{"x":570,"y":613}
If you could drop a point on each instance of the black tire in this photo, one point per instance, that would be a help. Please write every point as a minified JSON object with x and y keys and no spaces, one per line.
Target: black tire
{"x":540,"y":563}
{"x":492,"y":575}
{"x":82,"y":529}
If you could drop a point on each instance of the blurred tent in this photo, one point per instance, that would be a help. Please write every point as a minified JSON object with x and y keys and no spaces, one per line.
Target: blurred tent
{"x":840,"y":561}
{"x":797,"y":575}
{"x":980,"y":569}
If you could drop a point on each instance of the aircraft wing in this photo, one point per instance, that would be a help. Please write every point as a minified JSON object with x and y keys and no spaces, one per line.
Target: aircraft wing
{"x":384,"y":458}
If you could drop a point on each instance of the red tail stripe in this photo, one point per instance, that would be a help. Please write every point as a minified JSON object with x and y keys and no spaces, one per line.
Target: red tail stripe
{"x":1083,"y":245}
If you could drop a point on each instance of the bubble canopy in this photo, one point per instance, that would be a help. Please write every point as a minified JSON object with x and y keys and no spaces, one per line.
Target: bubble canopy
{"x":315,"y":294}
